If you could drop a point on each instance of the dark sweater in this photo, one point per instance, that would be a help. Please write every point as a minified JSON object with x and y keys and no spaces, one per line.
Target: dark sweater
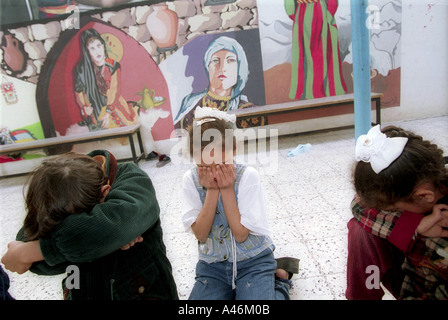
{"x":92,"y":241}
{"x":4,"y":285}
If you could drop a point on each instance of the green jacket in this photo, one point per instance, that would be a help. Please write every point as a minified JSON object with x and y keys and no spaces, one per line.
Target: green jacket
{"x":91,"y":241}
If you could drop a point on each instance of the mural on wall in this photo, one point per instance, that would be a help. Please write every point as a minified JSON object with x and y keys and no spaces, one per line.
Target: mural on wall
{"x":311,"y":22}
{"x":163,"y":25}
{"x":55,"y":8}
{"x":14,"y":56}
{"x":385,"y":49}
{"x":153,"y":62}
{"x":316,"y":63}
{"x":95,"y":83}
{"x":221,"y":72}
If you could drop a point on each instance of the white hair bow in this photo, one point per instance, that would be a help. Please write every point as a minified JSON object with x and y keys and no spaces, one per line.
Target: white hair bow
{"x":206,"y":114}
{"x":378,"y":149}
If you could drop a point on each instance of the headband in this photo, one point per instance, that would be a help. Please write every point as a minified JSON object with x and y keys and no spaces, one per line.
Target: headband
{"x":378,"y":149}
{"x":108,"y":163}
{"x":207,"y":114}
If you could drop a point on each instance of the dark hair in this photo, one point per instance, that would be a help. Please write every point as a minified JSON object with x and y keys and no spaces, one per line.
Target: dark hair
{"x":90,"y":35}
{"x":64,"y":185}
{"x":86,"y":79}
{"x":224,"y":128}
{"x":421,"y":161}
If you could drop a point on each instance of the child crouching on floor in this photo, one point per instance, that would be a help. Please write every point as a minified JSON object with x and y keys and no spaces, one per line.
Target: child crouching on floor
{"x":81,"y":210}
{"x":399,"y":234}
{"x":224,"y":205}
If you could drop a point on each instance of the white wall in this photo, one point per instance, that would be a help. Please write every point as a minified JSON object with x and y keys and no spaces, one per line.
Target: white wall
{"x":424,"y":73}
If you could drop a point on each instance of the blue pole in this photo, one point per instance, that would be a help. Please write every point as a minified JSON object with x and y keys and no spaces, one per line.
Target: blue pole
{"x":361,"y":66}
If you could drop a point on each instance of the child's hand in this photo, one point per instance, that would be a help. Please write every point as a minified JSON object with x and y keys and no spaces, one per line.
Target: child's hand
{"x":435,"y":225}
{"x":207,"y":178}
{"x":13,"y":258}
{"x":225,"y":175}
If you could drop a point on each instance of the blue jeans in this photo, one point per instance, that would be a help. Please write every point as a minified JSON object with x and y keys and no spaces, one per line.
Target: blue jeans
{"x":255,"y":280}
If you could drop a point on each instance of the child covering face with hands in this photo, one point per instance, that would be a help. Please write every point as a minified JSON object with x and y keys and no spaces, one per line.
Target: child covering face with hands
{"x":225,"y":207}
{"x":81,"y":210}
{"x":400,"y":217}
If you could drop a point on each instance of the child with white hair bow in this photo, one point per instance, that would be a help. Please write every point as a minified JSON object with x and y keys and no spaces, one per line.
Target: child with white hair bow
{"x":399,"y":234}
{"x":225,"y":207}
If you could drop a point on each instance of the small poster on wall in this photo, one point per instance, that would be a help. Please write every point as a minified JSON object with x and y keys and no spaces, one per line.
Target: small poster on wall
{"x":19,"y":119}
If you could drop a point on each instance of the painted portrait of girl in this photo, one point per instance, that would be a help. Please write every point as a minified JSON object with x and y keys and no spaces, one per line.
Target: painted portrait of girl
{"x":97,"y":82}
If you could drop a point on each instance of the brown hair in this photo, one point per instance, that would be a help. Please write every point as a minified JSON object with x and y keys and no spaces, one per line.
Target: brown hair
{"x":223,"y":127}
{"x":421,"y":161}
{"x":64,"y":185}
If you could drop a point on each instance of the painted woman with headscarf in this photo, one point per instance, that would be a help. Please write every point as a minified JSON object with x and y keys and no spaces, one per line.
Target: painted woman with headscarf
{"x":97,"y":87}
{"x":227,"y":69}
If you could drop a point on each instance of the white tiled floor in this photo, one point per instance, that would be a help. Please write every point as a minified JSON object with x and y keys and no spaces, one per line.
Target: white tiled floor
{"x":309,"y":197}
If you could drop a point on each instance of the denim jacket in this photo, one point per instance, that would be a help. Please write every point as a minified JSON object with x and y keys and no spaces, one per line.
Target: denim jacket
{"x":220,"y":245}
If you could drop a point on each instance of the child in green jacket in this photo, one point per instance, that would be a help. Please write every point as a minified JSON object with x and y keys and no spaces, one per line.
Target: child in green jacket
{"x":81,"y":210}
